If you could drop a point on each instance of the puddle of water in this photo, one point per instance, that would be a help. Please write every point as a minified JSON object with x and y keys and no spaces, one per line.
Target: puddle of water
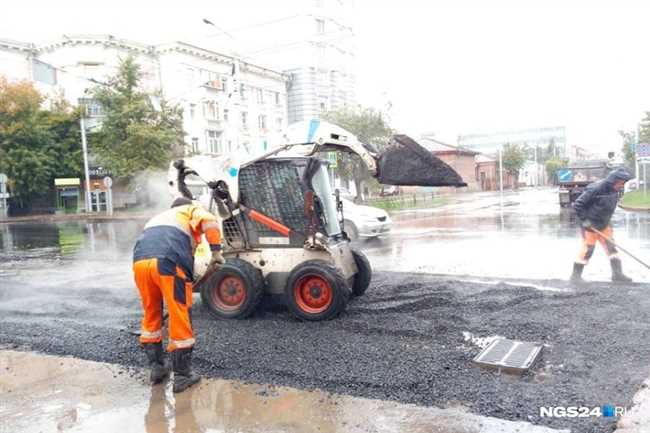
{"x":47,"y":393}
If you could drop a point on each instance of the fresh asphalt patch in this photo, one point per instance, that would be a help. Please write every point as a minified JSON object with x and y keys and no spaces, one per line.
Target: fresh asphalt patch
{"x":405,"y":340}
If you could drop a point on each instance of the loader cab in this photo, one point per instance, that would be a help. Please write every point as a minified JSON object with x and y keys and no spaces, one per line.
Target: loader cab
{"x":293,"y":191}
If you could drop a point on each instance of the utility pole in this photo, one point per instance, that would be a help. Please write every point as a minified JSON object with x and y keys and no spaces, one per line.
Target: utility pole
{"x":501,"y":172}
{"x":536,"y":169}
{"x":84,"y":145}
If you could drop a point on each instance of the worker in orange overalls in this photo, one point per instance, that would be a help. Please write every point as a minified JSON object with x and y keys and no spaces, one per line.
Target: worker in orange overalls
{"x":163,"y":260}
{"x":594,"y":208}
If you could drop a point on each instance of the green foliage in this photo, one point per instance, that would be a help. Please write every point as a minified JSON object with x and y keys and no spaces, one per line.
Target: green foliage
{"x":370,"y":127}
{"x":629,"y":141}
{"x":636,"y":200}
{"x":514,"y":158}
{"x":36,"y":145}
{"x":644,"y":129}
{"x":552,"y":165}
{"x":134,"y":135}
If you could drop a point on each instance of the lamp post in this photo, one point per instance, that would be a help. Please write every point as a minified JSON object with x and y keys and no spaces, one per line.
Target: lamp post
{"x":84,"y":146}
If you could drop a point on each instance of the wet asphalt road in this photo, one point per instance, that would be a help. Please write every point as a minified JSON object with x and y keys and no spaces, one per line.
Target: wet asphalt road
{"x":66,"y":289}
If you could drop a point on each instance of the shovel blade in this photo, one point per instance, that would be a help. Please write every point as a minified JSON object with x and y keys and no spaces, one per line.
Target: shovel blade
{"x":405,"y":162}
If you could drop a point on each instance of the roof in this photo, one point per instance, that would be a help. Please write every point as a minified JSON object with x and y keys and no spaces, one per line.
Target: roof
{"x":481,"y":157}
{"x":439,"y":148}
{"x":129,"y":45}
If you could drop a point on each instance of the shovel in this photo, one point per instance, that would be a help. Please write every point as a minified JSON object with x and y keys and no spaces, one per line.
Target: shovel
{"x":611,"y":241}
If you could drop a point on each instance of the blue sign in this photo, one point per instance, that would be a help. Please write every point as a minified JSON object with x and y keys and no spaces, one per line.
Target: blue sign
{"x":642,"y":150}
{"x":565,"y":175}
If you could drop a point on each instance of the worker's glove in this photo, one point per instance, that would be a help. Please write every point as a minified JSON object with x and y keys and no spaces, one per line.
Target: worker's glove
{"x":217,"y":258}
{"x":587,"y":225}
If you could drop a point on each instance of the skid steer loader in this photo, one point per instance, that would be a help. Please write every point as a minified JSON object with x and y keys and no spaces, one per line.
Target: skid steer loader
{"x":282,"y":224}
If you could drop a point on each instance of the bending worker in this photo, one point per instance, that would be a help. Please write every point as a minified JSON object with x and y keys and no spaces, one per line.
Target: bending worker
{"x":595,"y":207}
{"x":163,"y":260}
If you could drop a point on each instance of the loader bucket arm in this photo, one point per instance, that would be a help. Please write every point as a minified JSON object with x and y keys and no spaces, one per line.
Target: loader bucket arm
{"x":403,"y":162}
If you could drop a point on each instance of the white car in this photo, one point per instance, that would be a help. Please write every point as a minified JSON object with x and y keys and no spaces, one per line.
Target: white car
{"x":364,"y":221}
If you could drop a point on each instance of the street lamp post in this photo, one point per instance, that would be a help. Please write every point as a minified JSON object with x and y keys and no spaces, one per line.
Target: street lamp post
{"x":84,"y":145}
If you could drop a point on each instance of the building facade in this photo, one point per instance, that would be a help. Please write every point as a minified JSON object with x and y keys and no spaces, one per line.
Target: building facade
{"x":230,"y":106}
{"x":315,"y":47}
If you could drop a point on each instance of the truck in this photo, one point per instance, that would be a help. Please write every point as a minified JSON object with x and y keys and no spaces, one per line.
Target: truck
{"x":574,"y":179}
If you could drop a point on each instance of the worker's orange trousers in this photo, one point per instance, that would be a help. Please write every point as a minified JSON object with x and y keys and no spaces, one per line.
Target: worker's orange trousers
{"x":589,"y":239}
{"x":158,"y":280}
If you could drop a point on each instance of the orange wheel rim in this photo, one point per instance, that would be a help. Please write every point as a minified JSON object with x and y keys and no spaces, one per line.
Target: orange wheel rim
{"x":229,"y":294}
{"x":313,"y":294}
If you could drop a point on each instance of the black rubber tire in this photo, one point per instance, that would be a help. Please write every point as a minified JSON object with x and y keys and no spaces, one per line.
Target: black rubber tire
{"x":364,"y":273}
{"x":341,"y":293}
{"x":351,"y":230}
{"x":253,"y":283}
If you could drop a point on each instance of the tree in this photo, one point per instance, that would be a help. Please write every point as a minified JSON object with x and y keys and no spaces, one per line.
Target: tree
{"x":36,"y":145}
{"x":552,"y":165}
{"x":629,"y":141}
{"x":370,"y":127}
{"x":134,"y":135}
{"x":514,"y":157}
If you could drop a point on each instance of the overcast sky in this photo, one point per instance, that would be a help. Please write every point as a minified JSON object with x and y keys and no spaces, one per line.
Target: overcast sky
{"x":450,"y":67}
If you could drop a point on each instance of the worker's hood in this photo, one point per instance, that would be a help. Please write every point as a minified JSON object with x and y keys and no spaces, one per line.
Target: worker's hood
{"x":405,"y":162}
{"x":618,"y":174}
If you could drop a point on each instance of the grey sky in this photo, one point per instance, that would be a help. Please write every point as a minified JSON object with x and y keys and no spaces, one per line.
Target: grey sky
{"x":447,"y":66}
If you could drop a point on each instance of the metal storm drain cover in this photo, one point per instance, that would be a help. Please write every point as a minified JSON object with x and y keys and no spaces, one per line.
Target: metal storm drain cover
{"x":509,"y":356}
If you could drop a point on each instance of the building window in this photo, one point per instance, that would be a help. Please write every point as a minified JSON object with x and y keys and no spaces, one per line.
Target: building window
{"x":224,"y":83}
{"x":319,"y":3}
{"x":276,"y":96}
{"x":278,"y":123}
{"x":190,"y":77}
{"x":214,"y":141}
{"x":195,"y":145}
{"x":261,"y":121}
{"x":320,"y":26}
{"x":210,"y":110}
{"x":225,"y":115}
{"x":192,"y":111}
{"x":229,"y":146}
{"x":260,"y":96}
{"x":244,"y":120}
{"x":242,"y":91}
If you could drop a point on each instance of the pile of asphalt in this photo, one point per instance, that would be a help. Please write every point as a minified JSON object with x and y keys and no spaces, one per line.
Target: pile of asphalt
{"x":404,"y":341}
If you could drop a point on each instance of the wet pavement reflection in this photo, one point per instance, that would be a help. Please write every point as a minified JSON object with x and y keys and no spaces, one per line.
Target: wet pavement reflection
{"x":527,"y":235}
{"x":42,"y":393}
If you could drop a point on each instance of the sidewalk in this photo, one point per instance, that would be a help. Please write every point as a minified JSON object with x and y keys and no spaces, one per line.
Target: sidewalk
{"x":99,"y":217}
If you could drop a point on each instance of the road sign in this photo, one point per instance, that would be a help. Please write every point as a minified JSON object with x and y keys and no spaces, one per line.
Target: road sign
{"x":643,"y":150}
{"x":564,"y":175}
{"x":108,"y":182}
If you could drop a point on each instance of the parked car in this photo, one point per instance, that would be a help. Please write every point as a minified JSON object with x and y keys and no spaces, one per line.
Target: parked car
{"x":364,"y":221}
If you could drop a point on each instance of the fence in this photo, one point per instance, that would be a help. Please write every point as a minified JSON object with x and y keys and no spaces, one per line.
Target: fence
{"x":405,"y":201}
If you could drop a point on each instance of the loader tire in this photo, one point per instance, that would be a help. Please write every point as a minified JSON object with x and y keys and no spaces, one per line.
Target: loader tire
{"x":316,"y":290}
{"x":234,"y":291}
{"x":364,"y":273}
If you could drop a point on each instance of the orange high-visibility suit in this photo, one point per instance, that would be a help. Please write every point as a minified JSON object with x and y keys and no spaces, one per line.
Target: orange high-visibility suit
{"x":163,"y":261}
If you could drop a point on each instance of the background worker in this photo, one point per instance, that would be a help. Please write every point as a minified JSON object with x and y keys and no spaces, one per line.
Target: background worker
{"x":595,"y":208}
{"x":163,"y":260}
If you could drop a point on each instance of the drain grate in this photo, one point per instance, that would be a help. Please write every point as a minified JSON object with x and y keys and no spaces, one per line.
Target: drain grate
{"x":509,"y":356}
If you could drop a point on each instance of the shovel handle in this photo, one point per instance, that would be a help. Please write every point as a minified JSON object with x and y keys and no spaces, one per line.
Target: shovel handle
{"x":610,"y":240}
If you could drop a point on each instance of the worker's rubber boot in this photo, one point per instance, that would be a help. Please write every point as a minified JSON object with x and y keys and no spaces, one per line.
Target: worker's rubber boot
{"x":182,"y":365}
{"x":617,"y":272}
{"x":576,"y":276}
{"x":157,"y":361}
